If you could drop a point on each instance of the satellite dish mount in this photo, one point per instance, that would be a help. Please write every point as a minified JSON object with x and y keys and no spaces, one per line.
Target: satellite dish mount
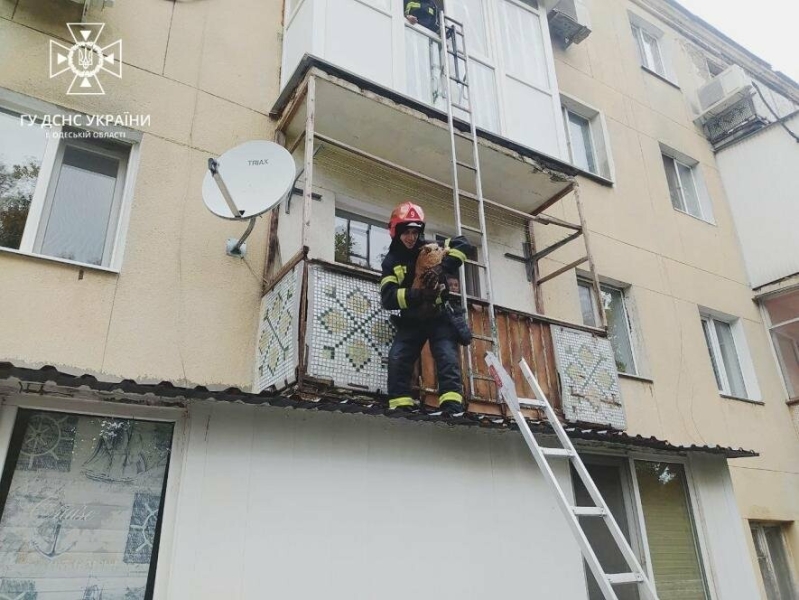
{"x":246,"y":182}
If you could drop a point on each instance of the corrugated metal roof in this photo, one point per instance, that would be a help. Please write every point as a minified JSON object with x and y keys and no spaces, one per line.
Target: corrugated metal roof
{"x":171,"y":395}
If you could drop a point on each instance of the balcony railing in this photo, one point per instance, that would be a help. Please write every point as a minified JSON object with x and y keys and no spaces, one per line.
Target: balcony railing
{"x":322,"y":327}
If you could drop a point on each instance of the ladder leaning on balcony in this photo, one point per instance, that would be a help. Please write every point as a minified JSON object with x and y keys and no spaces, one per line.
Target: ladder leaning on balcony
{"x":456,"y":79}
{"x":542,"y":455}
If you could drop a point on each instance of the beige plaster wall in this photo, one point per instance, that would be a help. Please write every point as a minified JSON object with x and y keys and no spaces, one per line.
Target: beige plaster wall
{"x":180,"y":309}
{"x":674,"y":264}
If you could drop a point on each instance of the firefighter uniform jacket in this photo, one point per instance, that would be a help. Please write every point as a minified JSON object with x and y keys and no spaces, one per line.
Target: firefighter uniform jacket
{"x":425,"y":11}
{"x":399,"y":270}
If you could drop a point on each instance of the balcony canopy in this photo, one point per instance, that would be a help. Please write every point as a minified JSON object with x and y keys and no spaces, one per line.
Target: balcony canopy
{"x":377,"y":121}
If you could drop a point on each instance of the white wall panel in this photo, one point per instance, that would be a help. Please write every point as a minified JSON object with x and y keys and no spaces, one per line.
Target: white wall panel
{"x":730,"y":565}
{"x":761,"y":176}
{"x":359,"y":39}
{"x":294,"y":504}
{"x":297,"y":40}
{"x":530,"y":115}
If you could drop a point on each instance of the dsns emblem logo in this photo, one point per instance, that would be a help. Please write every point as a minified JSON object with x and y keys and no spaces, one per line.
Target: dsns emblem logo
{"x":85,"y":59}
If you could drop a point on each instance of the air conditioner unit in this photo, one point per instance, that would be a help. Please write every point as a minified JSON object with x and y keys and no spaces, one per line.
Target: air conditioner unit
{"x":569,"y":21}
{"x":723,"y":91}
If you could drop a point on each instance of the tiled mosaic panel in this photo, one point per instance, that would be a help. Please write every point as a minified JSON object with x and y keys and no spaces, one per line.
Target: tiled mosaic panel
{"x":589,"y":379}
{"x":349,"y":334}
{"x":276,"y":353}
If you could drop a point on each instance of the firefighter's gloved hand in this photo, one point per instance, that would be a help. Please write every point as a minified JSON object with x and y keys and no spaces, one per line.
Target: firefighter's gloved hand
{"x":432,"y":276}
{"x":418,"y":296}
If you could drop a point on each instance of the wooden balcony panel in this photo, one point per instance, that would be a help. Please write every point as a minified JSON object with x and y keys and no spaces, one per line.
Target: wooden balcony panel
{"x":520,"y":336}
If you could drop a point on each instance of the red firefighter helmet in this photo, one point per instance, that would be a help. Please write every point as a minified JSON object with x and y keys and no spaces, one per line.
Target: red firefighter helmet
{"x":406,"y":213}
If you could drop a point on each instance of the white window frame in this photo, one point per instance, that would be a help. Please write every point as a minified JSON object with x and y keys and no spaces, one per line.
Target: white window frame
{"x":51,"y":161}
{"x":760,"y":527}
{"x":640,"y":29}
{"x":351,"y":215}
{"x":697,"y":181}
{"x":476,"y":271}
{"x":632,"y":502}
{"x":600,"y":141}
{"x":752,"y":390}
{"x":82,"y":406}
{"x":772,"y":328}
{"x":695,"y":514}
{"x":635,"y":343}
{"x":640,"y":542}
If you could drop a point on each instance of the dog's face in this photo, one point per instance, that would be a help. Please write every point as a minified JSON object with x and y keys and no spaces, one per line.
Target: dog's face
{"x":429,"y":256}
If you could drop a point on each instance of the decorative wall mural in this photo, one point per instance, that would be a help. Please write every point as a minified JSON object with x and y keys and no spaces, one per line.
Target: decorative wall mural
{"x":125,"y":449}
{"x":80,"y":517}
{"x":141,"y":532}
{"x":11,"y":589}
{"x":349,"y":334}
{"x":48,"y":443}
{"x":589,"y":378}
{"x":278,"y":335}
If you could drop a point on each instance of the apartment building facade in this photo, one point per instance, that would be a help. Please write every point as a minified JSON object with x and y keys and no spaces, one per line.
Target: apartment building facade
{"x":180,"y":423}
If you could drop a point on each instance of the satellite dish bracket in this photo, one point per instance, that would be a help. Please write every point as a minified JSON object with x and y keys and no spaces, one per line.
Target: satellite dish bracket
{"x":234,"y":247}
{"x":246,"y":182}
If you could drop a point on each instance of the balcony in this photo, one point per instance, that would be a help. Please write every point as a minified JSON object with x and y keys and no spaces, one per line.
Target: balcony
{"x":323,"y":332}
{"x":512,"y":66}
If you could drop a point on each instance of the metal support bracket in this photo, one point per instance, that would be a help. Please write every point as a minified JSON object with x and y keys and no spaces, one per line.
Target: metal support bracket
{"x":233,"y":247}
{"x":527,"y":259}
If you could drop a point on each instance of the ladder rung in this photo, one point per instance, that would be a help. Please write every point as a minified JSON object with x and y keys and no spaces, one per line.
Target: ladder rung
{"x":462,"y":82}
{"x":472,"y":229}
{"x":557,"y":452}
{"x":621,"y":578}
{"x":469,"y":261}
{"x":459,"y":54}
{"x":468,"y":138}
{"x":460,"y":163}
{"x":461,"y":107}
{"x":532,"y":402}
{"x":483,"y":377}
{"x":484,"y":338}
{"x":588,"y":511}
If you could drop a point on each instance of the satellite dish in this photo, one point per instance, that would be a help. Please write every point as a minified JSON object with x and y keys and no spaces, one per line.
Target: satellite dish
{"x":248,"y":180}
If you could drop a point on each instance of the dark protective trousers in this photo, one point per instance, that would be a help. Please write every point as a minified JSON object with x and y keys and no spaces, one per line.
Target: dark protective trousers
{"x":407,"y":347}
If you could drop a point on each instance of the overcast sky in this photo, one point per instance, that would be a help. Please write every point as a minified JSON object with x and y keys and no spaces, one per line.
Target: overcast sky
{"x":768,"y":28}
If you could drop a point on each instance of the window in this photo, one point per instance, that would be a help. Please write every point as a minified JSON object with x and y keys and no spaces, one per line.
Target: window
{"x":724,"y":356}
{"x":360,"y":241}
{"x":772,"y":556}
{"x":612,"y":477}
{"x":783,"y":316}
{"x":617,"y":314}
{"x":581,"y":143}
{"x":586,"y":138}
{"x":60,"y":197}
{"x":471,"y":271}
{"x":671,"y":535}
{"x":649,"y":52}
{"x":686,"y":188}
{"x":81,"y":501}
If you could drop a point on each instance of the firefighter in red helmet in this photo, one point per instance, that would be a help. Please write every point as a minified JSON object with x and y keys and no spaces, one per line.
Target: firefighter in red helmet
{"x":423,"y":316}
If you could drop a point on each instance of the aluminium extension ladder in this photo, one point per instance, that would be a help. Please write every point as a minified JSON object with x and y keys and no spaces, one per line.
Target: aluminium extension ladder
{"x":606,"y":581}
{"x":456,"y":80}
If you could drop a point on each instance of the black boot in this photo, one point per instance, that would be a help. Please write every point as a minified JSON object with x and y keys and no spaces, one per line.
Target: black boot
{"x":451,"y":407}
